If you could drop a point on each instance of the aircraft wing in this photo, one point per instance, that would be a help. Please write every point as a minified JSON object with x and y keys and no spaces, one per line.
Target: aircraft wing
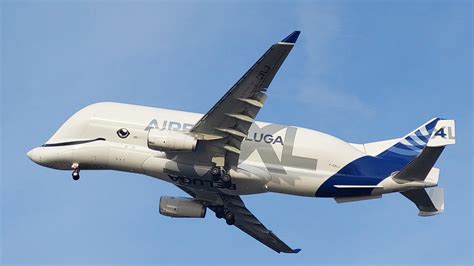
{"x":244,"y":219}
{"x":226,"y":124}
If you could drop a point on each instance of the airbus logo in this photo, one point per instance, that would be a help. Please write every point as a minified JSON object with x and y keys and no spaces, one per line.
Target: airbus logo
{"x":169,"y":125}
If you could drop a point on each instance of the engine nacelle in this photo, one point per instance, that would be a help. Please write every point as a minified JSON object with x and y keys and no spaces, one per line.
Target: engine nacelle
{"x":181,"y":207}
{"x":167,"y":140}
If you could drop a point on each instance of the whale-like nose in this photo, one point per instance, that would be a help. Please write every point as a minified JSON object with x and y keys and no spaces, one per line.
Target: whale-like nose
{"x":35,"y":155}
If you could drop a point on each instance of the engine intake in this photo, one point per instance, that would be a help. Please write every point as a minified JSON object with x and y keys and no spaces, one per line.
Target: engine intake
{"x":181,"y":207}
{"x":167,"y":140}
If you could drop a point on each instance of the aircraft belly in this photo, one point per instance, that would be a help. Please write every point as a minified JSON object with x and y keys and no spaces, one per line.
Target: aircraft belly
{"x":198,"y":177}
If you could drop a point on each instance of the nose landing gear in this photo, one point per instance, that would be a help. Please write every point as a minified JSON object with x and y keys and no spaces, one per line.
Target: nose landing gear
{"x":75,"y":171}
{"x":75,"y":175}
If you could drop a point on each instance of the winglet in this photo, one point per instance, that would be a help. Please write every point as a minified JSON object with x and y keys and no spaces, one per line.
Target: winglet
{"x":296,"y":250}
{"x":292,"y":37}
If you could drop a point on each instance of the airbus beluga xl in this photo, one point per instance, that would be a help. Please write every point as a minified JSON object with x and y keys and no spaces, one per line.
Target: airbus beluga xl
{"x":224,"y":154}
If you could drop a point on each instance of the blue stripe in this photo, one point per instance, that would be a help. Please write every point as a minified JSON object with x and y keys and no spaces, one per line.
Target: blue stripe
{"x":403,"y":151}
{"x":431,"y":125}
{"x":422,"y":137}
{"x":395,"y":156}
{"x":409,"y":139}
{"x":406,"y":147}
{"x":399,"y":157}
{"x":417,"y":140}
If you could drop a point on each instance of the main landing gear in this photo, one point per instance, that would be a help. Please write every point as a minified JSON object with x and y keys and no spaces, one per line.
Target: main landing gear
{"x":229,"y":216}
{"x":75,"y":171}
{"x":219,"y":173}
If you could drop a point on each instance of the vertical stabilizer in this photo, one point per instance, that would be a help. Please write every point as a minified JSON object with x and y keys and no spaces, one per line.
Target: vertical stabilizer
{"x":444,"y":134}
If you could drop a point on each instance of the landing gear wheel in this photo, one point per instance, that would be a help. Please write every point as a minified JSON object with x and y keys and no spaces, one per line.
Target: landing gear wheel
{"x":220,"y":213}
{"x":226,"y":178}
{"x":215,"y":171}
{"x":75,"y":175}
{"x":229,"y":218}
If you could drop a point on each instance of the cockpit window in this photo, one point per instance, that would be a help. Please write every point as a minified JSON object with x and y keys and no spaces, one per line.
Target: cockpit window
{"x":123,"y":133}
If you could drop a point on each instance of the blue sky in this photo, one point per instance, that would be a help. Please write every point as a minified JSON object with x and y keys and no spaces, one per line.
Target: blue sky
{"x":361,"y":70}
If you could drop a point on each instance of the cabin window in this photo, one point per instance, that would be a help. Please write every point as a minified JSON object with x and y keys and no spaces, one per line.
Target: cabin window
{"x":123,"y":133}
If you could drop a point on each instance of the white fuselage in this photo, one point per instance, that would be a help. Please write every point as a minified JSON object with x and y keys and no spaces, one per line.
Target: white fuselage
{"x":274,"y":158}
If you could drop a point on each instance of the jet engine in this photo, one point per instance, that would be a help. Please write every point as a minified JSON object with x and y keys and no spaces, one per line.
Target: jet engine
{"x":167,"y":140}
{"x":181,"y":207}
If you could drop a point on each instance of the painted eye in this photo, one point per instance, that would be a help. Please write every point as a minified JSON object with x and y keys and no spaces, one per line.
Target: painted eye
{"x":123,"y":133}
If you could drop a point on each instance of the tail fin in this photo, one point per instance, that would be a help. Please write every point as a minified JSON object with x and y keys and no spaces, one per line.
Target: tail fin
{"x":428,"y":203}
{"x":426,"y":145}
{"x":434,"y":133}
{"x":444,"y":134}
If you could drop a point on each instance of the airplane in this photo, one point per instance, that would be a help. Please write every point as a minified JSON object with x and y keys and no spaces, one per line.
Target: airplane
{"x":224,"y":154}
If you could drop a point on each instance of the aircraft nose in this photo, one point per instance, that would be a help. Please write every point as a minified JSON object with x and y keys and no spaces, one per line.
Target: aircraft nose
{"x":34,"y":155}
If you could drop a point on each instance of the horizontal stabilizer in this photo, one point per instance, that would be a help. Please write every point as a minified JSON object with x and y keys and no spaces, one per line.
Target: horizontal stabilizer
{"x":419,"y":168}
{"x":428,"y":203}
